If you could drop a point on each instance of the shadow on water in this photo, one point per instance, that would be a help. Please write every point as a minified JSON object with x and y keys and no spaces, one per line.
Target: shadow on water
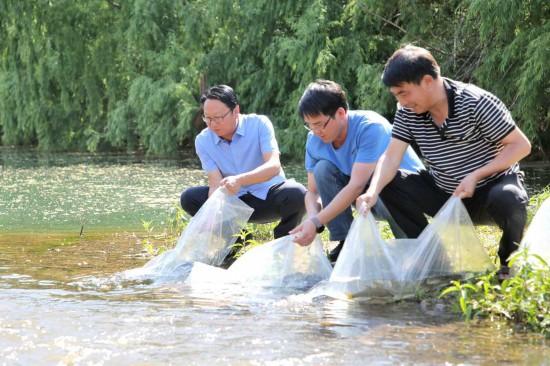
{"x":62,"y":305}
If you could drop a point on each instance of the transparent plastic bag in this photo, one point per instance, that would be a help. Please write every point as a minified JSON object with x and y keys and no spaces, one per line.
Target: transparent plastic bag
{"x":537,"y":237}
{"x":283,"y":263}
{"x":278,"y":263}
{"x":207,"y":238}
{"x":369,"y":266}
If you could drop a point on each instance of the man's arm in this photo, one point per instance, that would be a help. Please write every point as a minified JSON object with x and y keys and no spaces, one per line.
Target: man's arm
{"x":516,"y":146}
{"x":312,"y":199}
{"x":360,"y":175}
{"x":214,"y":179}
{"x":383,"y":174}
{"x":270,"y":168}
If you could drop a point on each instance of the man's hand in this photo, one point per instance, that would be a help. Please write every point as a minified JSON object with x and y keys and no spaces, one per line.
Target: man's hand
{"x":304,"y":233}
{"x":231,"y":183}
{"x":467,"y":187}
{"x":365,"y":202}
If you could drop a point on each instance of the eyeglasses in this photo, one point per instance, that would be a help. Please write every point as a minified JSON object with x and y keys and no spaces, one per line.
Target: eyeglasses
{"x":317,"y":126}
{"x":218,"y":119}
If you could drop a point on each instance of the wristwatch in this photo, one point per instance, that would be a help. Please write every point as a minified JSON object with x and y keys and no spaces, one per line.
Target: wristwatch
{"x":318,"y":226}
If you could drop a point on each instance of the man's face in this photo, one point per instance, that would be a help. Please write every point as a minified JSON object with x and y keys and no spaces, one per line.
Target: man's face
{"x":220,"y":118}
{"x":322,"y":126}
{"x":416,"y":97}
{"x":327,"y":128}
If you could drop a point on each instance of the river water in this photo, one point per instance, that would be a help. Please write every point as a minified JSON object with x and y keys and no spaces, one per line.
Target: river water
{"x":60,"y":304}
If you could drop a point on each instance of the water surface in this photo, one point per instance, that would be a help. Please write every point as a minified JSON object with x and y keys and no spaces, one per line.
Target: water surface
{"x":61,"y":304}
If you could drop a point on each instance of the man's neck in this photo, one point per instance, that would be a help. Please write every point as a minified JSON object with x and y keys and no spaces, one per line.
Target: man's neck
{"x":229,"y":137}
{"x":342,"y":134}
{"x":440,"y":107}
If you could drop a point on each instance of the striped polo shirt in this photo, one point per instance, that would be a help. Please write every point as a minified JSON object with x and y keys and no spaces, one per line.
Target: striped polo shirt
{"x":469,"y":138}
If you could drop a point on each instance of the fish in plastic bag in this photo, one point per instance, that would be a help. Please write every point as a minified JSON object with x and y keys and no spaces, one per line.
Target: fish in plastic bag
{"x":278,"y":263}
{"x":207,"y":238}
{"x":371,"y":267}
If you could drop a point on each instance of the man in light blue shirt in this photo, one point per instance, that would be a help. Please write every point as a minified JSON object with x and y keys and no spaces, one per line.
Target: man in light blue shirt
{"x":342,"y":149}
{"x":239,"y":152}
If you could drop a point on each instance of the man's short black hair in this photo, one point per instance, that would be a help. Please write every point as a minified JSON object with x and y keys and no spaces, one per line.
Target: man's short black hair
{"x":322,"y":97}
{"x":409,"y":64}
{"x":223,"y":93}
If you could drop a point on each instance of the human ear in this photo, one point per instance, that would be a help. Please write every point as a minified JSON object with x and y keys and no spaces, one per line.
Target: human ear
{"x":426,"y":81}
{"x":340,"y":112}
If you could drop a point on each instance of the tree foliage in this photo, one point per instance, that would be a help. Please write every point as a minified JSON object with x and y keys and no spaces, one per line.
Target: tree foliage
{"x":127,"y":75}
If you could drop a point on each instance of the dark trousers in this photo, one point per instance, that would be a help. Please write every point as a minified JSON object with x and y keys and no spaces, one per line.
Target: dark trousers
{"x":284,"y":202}
{"x":409,"y":196}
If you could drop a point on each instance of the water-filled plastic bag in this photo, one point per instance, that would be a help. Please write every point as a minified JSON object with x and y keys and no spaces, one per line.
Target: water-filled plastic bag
{"x":278,"y":263}
{"x":207,"y":238}
{"x":370,"y":266}
{"x":537,"y":237}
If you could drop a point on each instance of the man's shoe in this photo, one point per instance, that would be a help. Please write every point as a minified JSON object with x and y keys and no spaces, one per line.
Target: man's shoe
{"x":503,"y":273}
{"x":230,"y":258}
{"x":334,"y":253}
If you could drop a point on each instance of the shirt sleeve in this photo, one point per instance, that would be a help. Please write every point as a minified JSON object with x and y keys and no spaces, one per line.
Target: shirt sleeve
{"x":399,"y":129}
{"x":208,"y":164}
{"x":372,"y":141}
{"x":493,"y":118}
{"x":309,"y":160}
{"x":268,"y":143}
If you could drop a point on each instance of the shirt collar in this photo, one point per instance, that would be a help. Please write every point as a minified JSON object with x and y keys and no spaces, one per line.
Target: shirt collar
{"x":450,"y":97}
{"x":240,"y":127}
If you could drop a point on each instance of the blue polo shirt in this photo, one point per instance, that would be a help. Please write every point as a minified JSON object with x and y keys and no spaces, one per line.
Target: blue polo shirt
{"x":253,"y":138}
{"x":368,"y":136}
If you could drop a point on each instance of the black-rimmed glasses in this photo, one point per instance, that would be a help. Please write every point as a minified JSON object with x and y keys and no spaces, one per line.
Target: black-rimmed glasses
{"x":317,"y":126}
{"x":209,"y":120}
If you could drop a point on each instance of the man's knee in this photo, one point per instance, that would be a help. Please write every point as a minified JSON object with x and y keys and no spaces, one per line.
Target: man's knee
{"x":192,"y":199}
{"x":292,"y":197}
{"x":323,"y":170}
{"x":508,"y":202}
{"x":296,"y":193}
{"x":186,"y":201}
{"x":507,"y":197}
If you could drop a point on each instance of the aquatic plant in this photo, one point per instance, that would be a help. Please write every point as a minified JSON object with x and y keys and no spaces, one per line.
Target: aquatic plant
{"x":154,"y":242}
{"x":523,"y":299}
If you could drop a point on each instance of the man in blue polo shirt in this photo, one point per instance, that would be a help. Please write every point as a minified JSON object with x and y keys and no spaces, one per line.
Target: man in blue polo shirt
{"x":239,"y":152}
{"x":342,"y":149}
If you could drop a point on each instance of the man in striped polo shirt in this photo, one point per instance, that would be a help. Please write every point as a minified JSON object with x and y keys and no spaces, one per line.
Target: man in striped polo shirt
{"x":469,"y":142}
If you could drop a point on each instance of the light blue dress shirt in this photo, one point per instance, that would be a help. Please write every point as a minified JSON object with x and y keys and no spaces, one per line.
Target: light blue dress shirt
{"x":253,"y":138}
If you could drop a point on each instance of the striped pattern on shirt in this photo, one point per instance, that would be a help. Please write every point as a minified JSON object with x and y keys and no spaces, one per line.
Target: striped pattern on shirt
{"x":469,"y":138}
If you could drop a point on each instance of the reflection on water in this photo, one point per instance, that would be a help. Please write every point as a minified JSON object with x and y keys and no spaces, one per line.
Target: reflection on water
{"x":62,"y":304}
{"x":68,"y":191}
{"x":537,"y":176}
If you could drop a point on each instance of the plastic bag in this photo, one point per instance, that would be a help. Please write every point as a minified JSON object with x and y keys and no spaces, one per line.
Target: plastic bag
{"x":369,"y":266}
{"x":283,"y":263}
{"x":278,"y":263}
{"x":537,"y":236}
{"x":207,"y":238}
